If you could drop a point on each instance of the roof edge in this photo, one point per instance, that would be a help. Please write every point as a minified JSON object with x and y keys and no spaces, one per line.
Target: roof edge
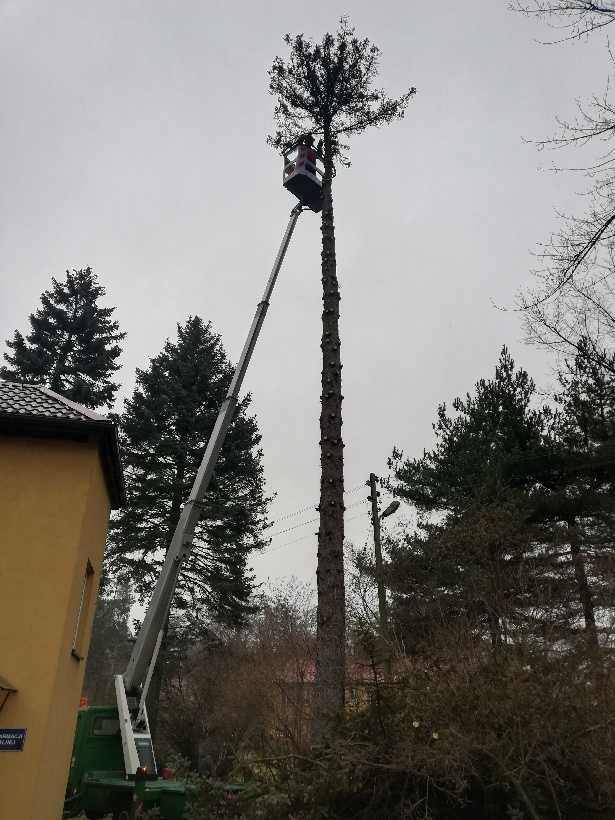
{"x":101,"y":427}
{"x":78,"y":408}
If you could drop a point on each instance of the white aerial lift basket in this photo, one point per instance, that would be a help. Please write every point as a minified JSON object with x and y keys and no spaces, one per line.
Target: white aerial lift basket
{"x":302,"y":175}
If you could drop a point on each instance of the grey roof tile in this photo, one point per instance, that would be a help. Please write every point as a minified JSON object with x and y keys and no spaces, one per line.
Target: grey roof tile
{"x":33,"y":400}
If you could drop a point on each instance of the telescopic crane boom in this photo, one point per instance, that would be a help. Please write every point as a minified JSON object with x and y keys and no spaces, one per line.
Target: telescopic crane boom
{"x":104,"y":779}
{"x":131,"y":687}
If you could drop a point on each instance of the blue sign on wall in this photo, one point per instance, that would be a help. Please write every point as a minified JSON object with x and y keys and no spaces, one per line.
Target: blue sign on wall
{"x":12,"y":740}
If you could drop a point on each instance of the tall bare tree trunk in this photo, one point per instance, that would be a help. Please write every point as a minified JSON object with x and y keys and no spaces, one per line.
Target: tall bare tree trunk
{"x":330,"y":662}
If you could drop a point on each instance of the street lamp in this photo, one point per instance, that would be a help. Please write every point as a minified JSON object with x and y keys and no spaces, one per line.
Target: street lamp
{"x":392,"y":508}
{"x":382,"y":596}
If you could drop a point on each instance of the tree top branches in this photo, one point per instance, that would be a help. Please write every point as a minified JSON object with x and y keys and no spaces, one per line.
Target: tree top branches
{"x":326,"y":89}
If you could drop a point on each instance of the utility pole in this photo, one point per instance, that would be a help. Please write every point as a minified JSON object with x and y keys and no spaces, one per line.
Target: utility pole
{"x":382,"y":596}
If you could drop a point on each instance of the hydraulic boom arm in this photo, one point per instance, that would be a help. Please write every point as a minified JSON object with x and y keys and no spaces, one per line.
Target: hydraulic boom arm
{"x":145,"y":651}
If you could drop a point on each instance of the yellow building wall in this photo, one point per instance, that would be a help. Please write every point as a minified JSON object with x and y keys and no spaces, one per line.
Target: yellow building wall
{"x":54,"y":513}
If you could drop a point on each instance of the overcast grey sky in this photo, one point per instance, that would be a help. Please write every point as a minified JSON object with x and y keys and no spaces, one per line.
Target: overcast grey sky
{"x":133,"y":140}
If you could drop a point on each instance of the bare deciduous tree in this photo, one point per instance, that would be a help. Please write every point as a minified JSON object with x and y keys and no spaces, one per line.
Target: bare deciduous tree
{"x":570,"y":307}
{"x":572,"y":18}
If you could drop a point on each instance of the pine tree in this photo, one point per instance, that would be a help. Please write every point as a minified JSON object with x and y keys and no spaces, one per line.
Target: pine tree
{"x":487,"y":431}
{"x":587,"y":397}
{"x":164,"y":430}
{"x":578,"y":478}
{"x":581,"y":497}
{"x":72,"y":347}
{"x":327,"y":89}
{"x":481,"y":544}
{"x":514,"y":504}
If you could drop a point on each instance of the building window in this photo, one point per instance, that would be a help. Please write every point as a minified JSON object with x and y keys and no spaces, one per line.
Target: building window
{"x":85,"y":603}
{"x":105,"y":726}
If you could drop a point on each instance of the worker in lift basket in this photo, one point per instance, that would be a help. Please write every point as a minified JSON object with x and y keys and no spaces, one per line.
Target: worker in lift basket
{"x":306,"y":152}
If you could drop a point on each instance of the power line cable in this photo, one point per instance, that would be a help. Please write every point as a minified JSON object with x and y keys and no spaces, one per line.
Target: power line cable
{"x":296,"y":527}
{"x":309,"y":521}
{"x":293,"y":514}
{"x":354,"y":489}
{"x":303,"y":509}
{"x":303,"y":537}
{"x":279,"y":546}
{"x":356,"y":504}
{"x":354,"y":517}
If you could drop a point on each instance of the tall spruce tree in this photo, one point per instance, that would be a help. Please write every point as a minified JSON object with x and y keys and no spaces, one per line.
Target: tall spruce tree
{"x":72,"y":346}
{"x":164,"y":430}
{"x":326,"y":89}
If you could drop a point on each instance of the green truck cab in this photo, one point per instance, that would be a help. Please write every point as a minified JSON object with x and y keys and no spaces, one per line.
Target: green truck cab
{"x":97,"y":783}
